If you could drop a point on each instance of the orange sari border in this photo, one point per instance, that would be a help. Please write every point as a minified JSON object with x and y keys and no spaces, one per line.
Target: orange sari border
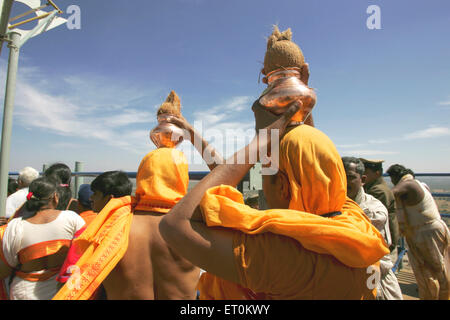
{"x":88,"y":216}
{"x":42,"y":249}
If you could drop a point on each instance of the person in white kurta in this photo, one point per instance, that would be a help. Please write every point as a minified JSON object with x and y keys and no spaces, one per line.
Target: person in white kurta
{"x":18,"y":198}
{"x":388,"y":288}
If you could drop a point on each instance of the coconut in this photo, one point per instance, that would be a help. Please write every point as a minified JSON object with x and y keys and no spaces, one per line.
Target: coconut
{"x":282,"y":52}
{"x":172,"y":105}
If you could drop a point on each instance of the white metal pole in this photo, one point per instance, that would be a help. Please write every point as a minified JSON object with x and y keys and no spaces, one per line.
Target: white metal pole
{"x":5,"y":9}
{"x":10,"y":91}
{"x":78,"y":179}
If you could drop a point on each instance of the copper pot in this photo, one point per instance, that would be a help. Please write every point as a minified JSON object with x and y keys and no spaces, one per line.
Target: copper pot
{"x":284,"y":87}
{"x":166,"y":134}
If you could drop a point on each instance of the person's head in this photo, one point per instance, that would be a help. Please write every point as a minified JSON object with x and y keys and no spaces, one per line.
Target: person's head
{"x":42,"y":194}
{"x":108,"y":185}
{"x":311,"y":176}
{"x":374,"y":169}
{"x":162,"y":180}
{"x":354,"y":170}
{"x":26,"y":176}
{"x":61,"y":173}
{"x":13,"y":186}
{"x":84,"y":198}
{"x":397,"y":171}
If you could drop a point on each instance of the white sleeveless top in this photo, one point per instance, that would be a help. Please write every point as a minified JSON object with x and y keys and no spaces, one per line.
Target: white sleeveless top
{"x":426,"y":211}
{"x":20,"y":234}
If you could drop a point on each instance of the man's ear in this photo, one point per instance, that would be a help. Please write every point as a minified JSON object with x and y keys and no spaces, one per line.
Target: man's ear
{"x":363,"y":179}
{"x":56,"y":198}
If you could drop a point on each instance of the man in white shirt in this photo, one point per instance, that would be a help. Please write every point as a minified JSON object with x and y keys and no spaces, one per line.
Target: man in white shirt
{"x":18,"y":198}
{"x":388,"y":287}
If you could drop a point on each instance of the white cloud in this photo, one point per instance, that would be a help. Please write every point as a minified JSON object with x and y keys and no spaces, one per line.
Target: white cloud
{"x":224,"y":126}
{"x":345,"y":146}
{"x":228,"y":110}
{"x":428,"y":133}
{"x":89,"y":108}
{"x":368,"y":152}
{"x":92,"y":107}
{"x":378,"y":141}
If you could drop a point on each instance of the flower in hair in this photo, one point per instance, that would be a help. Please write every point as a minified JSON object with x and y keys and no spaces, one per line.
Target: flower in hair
{"x":29,"y":195}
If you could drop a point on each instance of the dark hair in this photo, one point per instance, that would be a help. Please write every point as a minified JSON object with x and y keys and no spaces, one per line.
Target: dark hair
{"x":115,"y":183}
{"x":61,"y":173}
{"x":359,"y":164}
{"x":410,"y":172}
{"x":12,"y":185}
{"x":398,"y":171}
{"x":42,"y":190}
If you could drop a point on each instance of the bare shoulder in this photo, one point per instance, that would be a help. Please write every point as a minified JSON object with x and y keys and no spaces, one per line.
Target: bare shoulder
{"x":144,"y":227}
{"x":413,"y":186}
{"x":410,"y":191}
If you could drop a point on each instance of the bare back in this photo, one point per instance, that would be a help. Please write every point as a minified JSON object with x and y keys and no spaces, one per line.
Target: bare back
{"x":150,"y":269}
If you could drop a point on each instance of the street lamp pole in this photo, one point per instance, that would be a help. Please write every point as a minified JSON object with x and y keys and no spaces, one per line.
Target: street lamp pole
{"x":10,"y":91}
{"x":16,"y":38}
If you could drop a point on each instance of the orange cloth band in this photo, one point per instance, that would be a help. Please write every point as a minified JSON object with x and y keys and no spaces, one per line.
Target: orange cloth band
{"x":35,"y":277}
{"x":42,"y":249}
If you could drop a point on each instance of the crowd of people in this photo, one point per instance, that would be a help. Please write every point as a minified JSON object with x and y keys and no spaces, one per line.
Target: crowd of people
{"x":331,"y":229}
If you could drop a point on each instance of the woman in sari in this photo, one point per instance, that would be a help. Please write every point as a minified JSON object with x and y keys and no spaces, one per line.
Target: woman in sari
{"x":34,"y":246}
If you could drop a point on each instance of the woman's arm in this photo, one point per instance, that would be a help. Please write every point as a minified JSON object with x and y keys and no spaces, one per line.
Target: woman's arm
{"x":5,"y":270}
{"x":183,"y":229}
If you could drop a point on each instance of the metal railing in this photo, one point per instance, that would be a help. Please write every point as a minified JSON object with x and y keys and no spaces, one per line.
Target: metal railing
{"x":198,"y":175}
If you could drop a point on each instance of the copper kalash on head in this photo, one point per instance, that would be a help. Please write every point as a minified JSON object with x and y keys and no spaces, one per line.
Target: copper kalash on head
{"x":283,"y":64}
{"x":166,"y":134}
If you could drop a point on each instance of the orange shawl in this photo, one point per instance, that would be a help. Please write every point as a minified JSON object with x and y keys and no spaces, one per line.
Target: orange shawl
{"x":102,"y":244}
{"x":88,"y":216}
{"x":318,"y":186}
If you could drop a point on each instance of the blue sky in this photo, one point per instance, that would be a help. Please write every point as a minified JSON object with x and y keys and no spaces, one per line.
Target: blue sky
{"x":91,"y":94}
